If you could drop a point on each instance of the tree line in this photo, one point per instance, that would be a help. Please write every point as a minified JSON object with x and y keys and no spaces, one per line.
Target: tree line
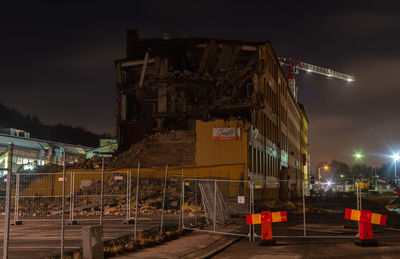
{"x":358,"y":170}
{"x":12,"y":118}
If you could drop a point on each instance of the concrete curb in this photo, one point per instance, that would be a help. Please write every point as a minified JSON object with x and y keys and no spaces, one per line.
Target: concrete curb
{"x":218,"y":249}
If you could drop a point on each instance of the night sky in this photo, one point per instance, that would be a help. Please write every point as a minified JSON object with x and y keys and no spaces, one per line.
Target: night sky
{"x":57,"y":60}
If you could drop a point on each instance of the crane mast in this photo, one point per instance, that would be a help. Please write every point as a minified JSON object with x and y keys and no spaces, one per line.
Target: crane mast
{"x":294,"y":67}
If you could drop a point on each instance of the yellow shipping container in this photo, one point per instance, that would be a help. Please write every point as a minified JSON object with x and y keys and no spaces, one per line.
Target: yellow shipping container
{"x":221,"y":142}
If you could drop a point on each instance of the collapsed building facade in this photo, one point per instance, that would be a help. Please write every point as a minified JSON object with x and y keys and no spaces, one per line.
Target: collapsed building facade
{"x":232,"y":96}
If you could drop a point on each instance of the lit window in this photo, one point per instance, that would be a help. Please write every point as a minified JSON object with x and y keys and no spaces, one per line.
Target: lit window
{"x":25,"y":161}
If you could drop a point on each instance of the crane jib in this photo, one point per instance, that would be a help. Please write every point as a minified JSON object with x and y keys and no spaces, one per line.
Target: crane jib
{"x":315,"y":69}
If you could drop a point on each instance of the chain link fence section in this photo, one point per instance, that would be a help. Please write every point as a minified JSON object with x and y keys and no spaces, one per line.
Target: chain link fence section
{"x":86,"y":195}
{"x":150,"y":197}
{"x":38,"y":196}
{"x":196,"y":198}
{"x":221,"y":205}
{"x":172,"y":202}
{"x":313,"y":210}
{"x":280,"y":195}
{"x":326,"y":206}
{"x":316,"y":210}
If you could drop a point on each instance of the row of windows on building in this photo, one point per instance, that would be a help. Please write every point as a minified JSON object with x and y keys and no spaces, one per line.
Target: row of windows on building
{"x":270,"y":65}
{"x":271,"y":128}
{"x":24,"y":161}
{"x":260,"y":162}
{"x":267,"y":127}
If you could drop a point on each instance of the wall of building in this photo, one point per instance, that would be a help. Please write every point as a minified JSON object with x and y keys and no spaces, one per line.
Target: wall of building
{"x":213,"y":149}
{"x":278,"y":154}
{"x":304,"y":144}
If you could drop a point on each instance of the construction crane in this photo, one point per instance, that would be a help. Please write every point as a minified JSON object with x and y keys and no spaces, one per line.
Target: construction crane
{"x":294,"y":66}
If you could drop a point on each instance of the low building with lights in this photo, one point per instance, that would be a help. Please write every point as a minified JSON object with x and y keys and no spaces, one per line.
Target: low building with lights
{"x":29,"y":152}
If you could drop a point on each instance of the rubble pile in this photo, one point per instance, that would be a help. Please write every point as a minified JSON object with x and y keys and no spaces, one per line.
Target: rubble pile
{"x":173,"y":148}
{"x":93,"y":163}
{"x":155,"y":150}
{"x":48,"y":168}
{"x":87,"y":200}
{"x":176,"y":147}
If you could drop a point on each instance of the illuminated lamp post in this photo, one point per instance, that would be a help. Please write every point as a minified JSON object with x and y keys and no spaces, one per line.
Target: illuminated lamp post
{"x":357,"y":156}
{"x":395,"y":157}
{"x":325,"y":167}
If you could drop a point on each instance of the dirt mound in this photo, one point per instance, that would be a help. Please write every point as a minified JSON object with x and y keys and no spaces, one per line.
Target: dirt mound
{"x":49,"y":168}
{"x":173,"y":148}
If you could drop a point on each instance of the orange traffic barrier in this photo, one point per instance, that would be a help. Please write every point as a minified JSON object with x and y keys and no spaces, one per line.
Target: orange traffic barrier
{"x":265,"y":218}
{"x":366,"y":219}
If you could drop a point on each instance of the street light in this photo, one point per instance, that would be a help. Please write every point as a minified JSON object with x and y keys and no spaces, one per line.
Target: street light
{"x":395,"y":157}
{"x":357,"y":156}
{"x":325,"y":167}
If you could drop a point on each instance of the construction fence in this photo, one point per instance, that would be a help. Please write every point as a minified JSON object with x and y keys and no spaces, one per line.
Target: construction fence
{"x":313,"y":210}
{"x":201,"y":199}
{"x":48,"y":210}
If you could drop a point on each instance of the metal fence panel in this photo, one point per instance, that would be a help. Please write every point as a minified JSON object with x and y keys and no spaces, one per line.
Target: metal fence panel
{"x":220,"y":205}
{"x":40,"y":194}
{"x":197,"y":198}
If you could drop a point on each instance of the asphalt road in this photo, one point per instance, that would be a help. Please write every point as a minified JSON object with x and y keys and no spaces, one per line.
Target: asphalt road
{"x":192,"y":245}
{"x":312,"y":248}
{"x":38,"y":239}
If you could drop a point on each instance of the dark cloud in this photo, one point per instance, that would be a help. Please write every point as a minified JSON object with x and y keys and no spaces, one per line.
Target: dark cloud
{"x":57,"y":59}
{"x":357,"y":116}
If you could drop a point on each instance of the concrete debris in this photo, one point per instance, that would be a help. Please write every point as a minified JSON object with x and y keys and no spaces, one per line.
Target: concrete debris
{"x":185,"y":80}
{"x":173,"y":148}
{"x":87,"y":201}
{"x":48,"y":168}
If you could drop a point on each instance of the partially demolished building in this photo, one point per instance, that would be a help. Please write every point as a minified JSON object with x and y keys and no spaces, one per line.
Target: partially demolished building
{"x":231,"y":95}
